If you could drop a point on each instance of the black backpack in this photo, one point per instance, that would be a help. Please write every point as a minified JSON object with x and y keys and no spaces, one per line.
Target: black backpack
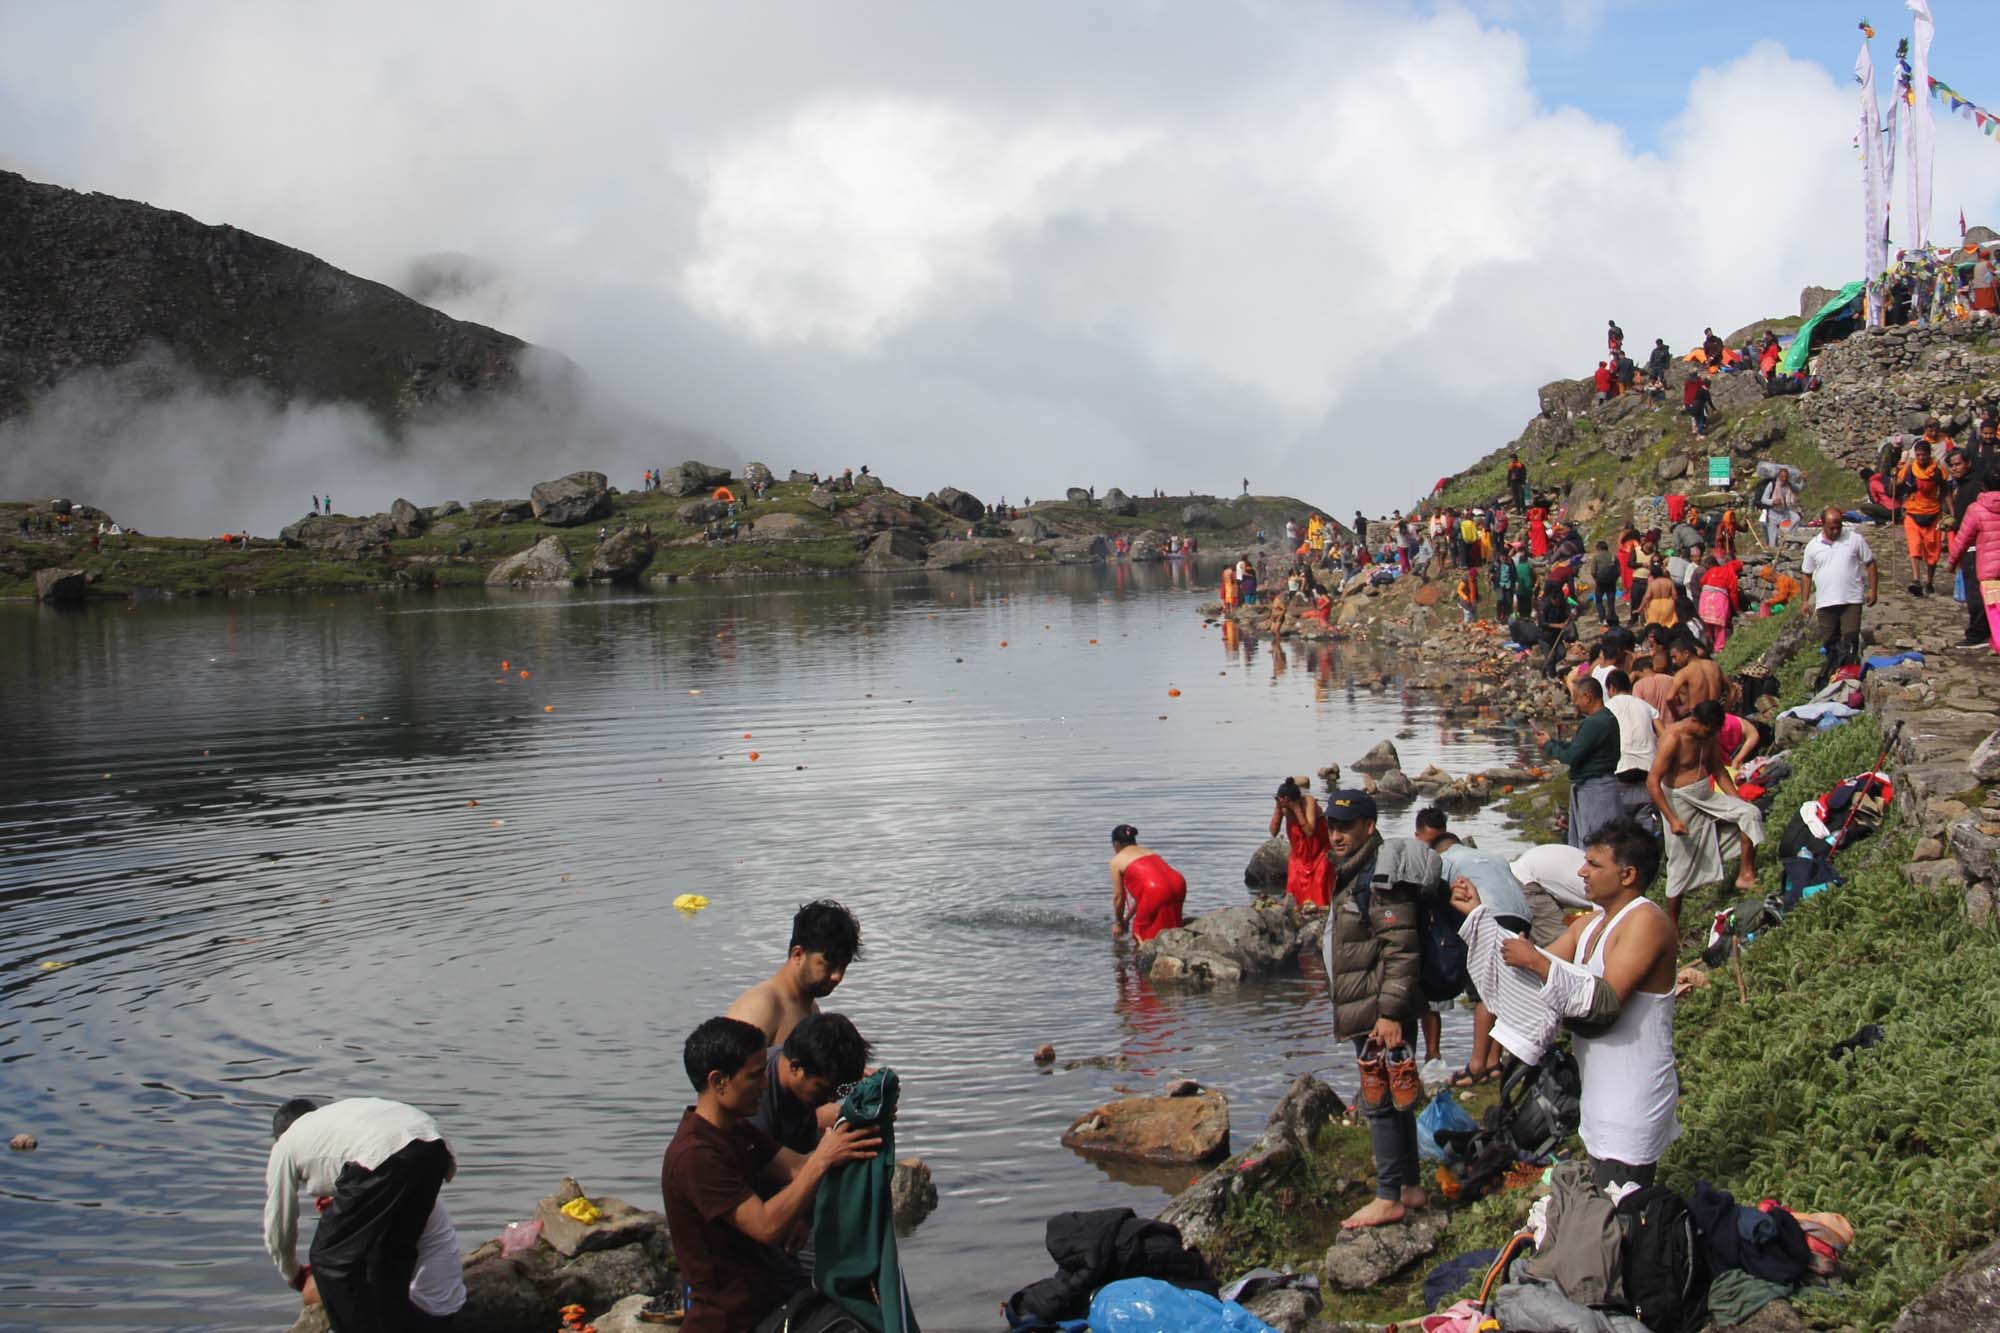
{"x":1540,"y":1105}
{"x":1441,"y":973}
{"x":1665,"y":1261}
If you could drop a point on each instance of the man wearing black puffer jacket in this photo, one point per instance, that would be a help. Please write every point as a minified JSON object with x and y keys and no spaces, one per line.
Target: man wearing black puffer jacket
{"x":1372,"y":954}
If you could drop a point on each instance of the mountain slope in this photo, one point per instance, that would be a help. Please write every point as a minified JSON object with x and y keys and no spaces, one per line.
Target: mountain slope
{"x":87,"y":280}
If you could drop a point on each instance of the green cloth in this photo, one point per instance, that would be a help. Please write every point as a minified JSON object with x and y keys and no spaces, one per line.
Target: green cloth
{"x":854,"y":1232}
{"x":1735,"y":1295}
{"x":1800,"y":351}
{"x":1593,"y":752}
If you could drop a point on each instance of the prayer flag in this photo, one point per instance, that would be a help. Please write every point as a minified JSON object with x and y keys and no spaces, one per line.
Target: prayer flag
{"x":1923,"y":126}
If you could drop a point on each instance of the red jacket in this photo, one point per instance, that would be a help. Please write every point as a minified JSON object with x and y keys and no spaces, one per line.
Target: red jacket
{"x":1604,"y":379}
{"x":1981,"y":526}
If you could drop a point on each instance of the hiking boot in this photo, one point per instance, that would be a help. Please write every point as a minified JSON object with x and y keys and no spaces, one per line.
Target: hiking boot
{"x":1374,"y":1078}
{"x":1916,"y":590}
{"x":1406,"y":1088}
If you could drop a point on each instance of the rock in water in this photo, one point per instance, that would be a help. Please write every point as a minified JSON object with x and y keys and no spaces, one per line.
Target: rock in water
{"x":407,"y":519}
{"x":544,"y":563}
{"x":22,"y":1143}
{"x":1369,"y":1256}
{"x":1288,"y":1135}
{"x":896,"y":549}
{"x":577,"y":498}
{"x":693,"y":478}
{"x":913,"y":1195}
{"x":621,"y":1223}
{"x":61,"y":585}
{"x":1154,"y":1129}
{"x":1395,"y":783}
{"x":1221,"y":948}
{"x":622,"y":557}
{"x":1380,"y":759}
{"x":1268,"y":866}
{"x":961,"y":504}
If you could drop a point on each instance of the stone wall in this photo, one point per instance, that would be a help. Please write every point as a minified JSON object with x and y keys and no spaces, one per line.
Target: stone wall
{"x":1884,"y":381}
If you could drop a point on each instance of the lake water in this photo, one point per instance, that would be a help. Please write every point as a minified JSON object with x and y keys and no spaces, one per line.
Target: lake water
{"x":244,"y":831}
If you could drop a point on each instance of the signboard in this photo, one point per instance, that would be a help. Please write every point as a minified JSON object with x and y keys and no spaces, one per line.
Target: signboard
{"x":1718,"y":473}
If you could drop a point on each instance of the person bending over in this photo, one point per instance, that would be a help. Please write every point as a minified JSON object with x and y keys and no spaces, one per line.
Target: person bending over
{"x":825,"y":939}
{"x":727,"y":1237}
{"x":1146,"y":892}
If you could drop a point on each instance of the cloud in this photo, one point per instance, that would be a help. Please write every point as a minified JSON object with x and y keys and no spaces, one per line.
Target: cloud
{"x":1333,"y":247}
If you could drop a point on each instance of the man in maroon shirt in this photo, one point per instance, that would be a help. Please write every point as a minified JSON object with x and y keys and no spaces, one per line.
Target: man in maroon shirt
{"x":724,"y":1235}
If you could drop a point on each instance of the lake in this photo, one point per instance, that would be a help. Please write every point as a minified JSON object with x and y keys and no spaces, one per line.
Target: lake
{"x":240,"y":861}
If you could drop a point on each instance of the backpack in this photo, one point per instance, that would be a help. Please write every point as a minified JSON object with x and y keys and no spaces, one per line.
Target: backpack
{"x":1441,"y":973}
{"x":1665,"y":1261}
{"x":1540,"y":1107}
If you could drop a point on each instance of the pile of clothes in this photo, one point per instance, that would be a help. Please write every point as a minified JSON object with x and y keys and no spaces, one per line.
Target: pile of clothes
{"x":1641,"y":1259}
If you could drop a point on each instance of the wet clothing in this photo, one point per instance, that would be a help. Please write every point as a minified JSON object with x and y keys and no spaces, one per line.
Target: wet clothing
{"x":1157,"y":891}
{"x":1308,"y":873}
{"x":854,"y":1234}
{"x":705,"y":1176}
{"x":366,"y":1250}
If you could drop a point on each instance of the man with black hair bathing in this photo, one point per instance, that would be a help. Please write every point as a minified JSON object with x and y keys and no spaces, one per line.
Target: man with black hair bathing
{"x":825,"y":939}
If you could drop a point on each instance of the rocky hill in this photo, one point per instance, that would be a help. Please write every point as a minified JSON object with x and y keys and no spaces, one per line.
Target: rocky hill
{"x":87,"y":280}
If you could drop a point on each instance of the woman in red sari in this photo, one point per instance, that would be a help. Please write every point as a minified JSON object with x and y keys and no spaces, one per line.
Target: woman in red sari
{"x":1538,"y":531}
{"x":1308,"y":874}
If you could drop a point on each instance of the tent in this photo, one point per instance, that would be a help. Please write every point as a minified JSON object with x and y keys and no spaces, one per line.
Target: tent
{"x":724,"y":493}
{"x":1801,"y":348}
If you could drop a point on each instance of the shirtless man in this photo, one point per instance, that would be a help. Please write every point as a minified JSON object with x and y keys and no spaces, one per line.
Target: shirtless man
{"x":1694,"y":793}
{"x":1696,"y":676}
{"x":825,"y":939}
{"x":1626,"y":1054}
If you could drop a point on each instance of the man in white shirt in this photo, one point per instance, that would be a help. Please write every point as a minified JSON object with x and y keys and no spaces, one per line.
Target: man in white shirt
{"x":375,"y":1167}
{"x":1638,"y":732}
{"x":1839,"y":569}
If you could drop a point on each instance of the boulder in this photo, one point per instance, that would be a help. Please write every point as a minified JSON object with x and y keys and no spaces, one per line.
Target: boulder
{"x":525,"y":1292}
{"x":1080,"y":550}
{"x":1985,"y":759}
{"x":1968,"y":1298}
{"x":872,"y":513}
{"x":895,"y":549}
{"x":1191,"y":1127}
{"x":1268,"y":866}
{"x":1395,"y":784}
{"x":1199,"y":516}
{"x":781,"y":527}
{"x":913,"y":1194}
{"x":407,"y":519}
{"x":621,"y":1223}
{"x":567,"y":501}
{"x":1028,"y":529}
{"x":447,"y":509}
{"x":1288,"y":1137}
{"x":756,"y":472}
{"x":697,"y":478}
{"x":544,"y":563}
{"x":62,"y":506}
{"x":869,"y":484}
{"x":798,"y":476}
{"x":1117,"y":502}
{"x":819,"y":497}
{"x":1369,"y":1256}
{"x":1380,"y":759}
{"x":1672,"y":467}
{"x":700,"y":513}
{"x":622,"y":557}
{"x":60,"y":585}
{"x":1077,"y":495}
{"x":965,"y":555}
{"x":961,"y":504}
{"x":339,"y":534}
{"x":1812,"y":299}
{"x":1224,"y":946}
{"x":1286,"y":1309}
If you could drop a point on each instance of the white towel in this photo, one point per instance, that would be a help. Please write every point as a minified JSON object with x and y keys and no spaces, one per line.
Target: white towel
{"x":1527,"y":1011}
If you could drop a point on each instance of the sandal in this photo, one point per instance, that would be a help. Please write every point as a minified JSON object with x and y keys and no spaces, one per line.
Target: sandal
{"x":1468,"y":1077}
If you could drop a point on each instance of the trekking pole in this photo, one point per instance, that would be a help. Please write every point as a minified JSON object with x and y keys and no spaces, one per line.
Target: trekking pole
{"x":1853,"y":807}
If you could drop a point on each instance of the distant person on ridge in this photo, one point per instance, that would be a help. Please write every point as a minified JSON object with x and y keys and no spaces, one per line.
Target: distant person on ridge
{"x":1658,"y":361}
{"x":1712,"y":349}
{"x":1146,"y":892}
{"x":1696,"y":401}
{"x":1614,"y":337}
{"x":1517,"y":483}
{"x":1603,"y":382}
{"x":825,"y":940}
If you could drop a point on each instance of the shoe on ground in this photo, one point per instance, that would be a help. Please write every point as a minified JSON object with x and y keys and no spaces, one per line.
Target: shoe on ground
{"x":1916,"y":590}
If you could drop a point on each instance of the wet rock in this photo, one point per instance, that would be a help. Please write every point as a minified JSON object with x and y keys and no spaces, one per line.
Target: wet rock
{"x":568,"y":501}
{"x":1288,"y":1135}
{"x":22,"y":1143}
{"x":1395,"y":784}
{"x":622,"y":1224}
{"x":1380,"y":759}
{"x":1117,"y":502}
{"x":1223,"y":947}
{"x":61,"y":585}
{"x":407,"y":519}
{"x":545,"y":563}
{"x":1369,"y":1256}
{"x":622,"y":557}
{"x":913,"y":1194}
{"x":781,"y":527}
{"x":1045,"y":1054}
{"x":1198,"y":516}
{"x":1154,"y":1129}
{"x":693,"y":478}
{"x":961,"y":504}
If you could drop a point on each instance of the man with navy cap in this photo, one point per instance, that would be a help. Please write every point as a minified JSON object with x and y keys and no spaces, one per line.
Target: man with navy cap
{"x":1371,"y":953}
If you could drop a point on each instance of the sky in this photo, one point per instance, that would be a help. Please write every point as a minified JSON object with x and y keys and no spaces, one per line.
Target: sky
{"x":1330,"y":247}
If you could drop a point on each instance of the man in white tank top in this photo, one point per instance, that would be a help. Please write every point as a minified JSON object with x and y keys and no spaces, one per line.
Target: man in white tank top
{"x":1630,"y":1087}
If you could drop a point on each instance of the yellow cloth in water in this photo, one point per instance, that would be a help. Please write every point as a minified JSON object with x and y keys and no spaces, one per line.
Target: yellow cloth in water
{"x":583,"y":1210}
{"x":690,"y":902}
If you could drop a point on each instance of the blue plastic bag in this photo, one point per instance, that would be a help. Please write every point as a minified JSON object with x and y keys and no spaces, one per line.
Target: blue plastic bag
{"x":1443,"y":1116}
{"x":1148,"y":1305}
{"x":1958,"y":586}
